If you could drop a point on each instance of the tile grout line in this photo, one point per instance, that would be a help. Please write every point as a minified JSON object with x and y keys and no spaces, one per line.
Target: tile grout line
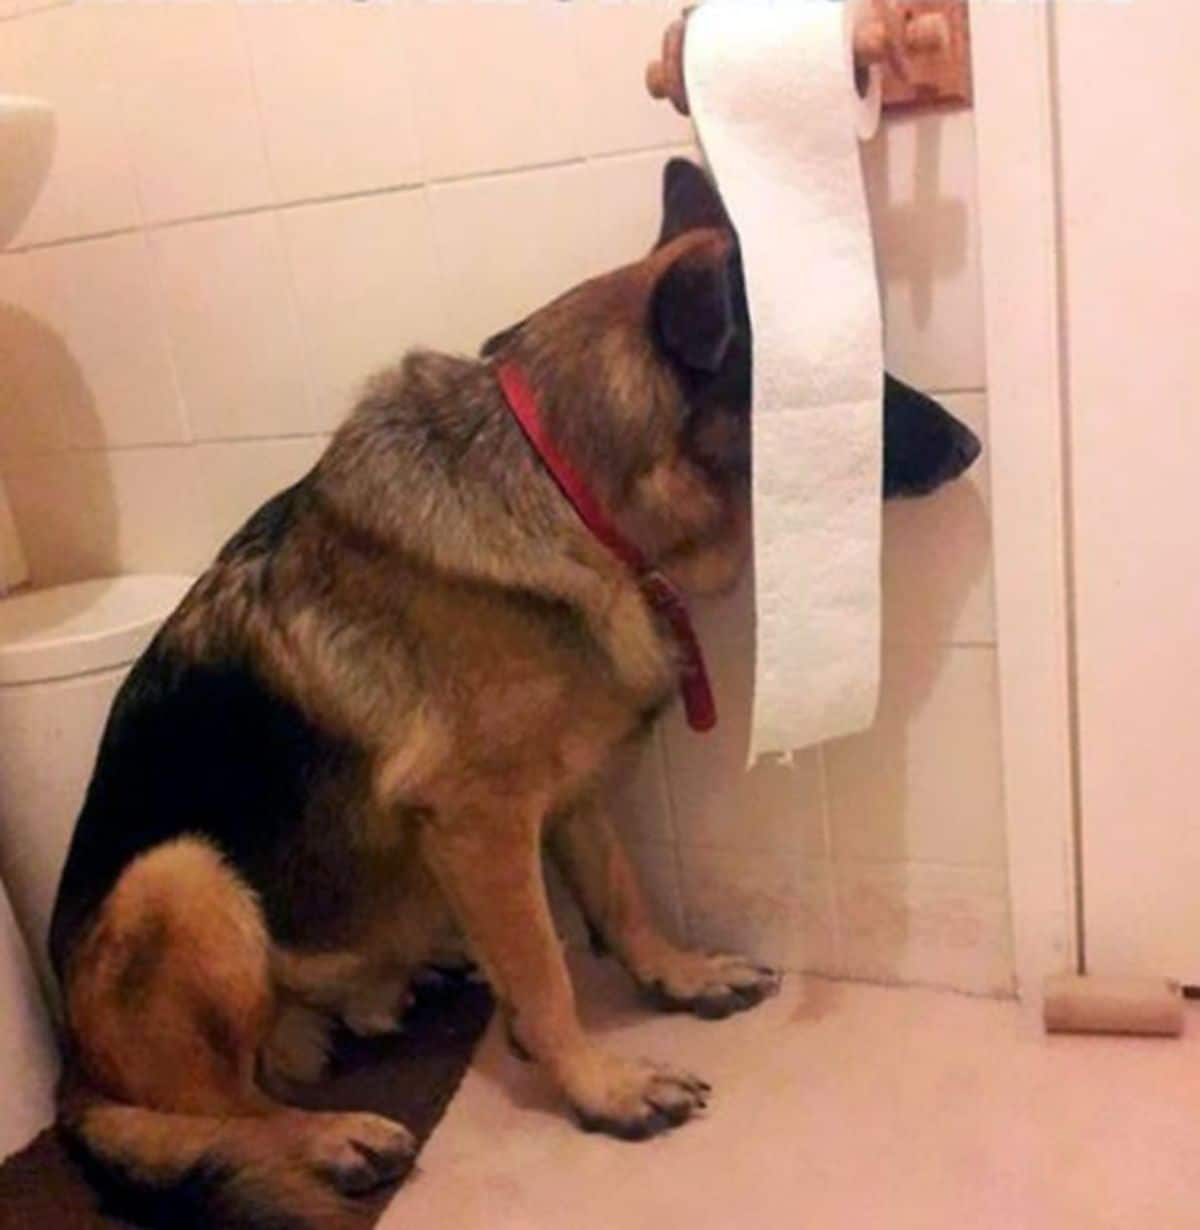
{"x":8,"y":468}
{"x":472,"y":177}
{"x":664,"y":767}
{"x":158,"y":294}
{"x":292,"y":285}
{"x":1068,"y":509}
{"x":34,"y":10}
{"x":830,"y":871}
{"x":156,"y":289}
{"x":445,"y":310}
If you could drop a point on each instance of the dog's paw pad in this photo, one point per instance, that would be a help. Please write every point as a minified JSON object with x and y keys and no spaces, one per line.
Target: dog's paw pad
{"x":377,"y":1024}
{"x":712,"y":987}
{"x":643,"y":1100}
{"x":297,"y":1051}
{"x":359,"y":1153}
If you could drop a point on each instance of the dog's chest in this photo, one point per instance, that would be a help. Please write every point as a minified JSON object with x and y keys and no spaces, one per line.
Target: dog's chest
{"x":542,"y":699}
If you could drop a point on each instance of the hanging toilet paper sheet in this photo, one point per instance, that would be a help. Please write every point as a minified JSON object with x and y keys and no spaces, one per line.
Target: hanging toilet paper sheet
{"x":771,"y":89}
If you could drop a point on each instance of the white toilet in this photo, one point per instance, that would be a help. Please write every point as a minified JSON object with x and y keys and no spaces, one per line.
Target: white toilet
{"x":63,"y":654}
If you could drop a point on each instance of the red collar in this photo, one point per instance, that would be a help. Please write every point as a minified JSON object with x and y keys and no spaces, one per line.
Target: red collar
{"x":658,"y":590}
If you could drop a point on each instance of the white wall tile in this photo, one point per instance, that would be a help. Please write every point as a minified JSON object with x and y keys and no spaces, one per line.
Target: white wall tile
{"x":771,"y":908}
{"x":368,"y":289}
{"x":509,"y":244}
{"x":63,"y":507}
{"x":209,"y":490}
{"x":657,"y":866}
{"x":158,"y":507}
{"x":109,"y":376}
{"x":190,"y":108}
{"x":240,"y":475}
{"x":95,"y":512}
{"x":495,"y":85}
{"x":913,"y":923}
{"x":32,"y":359}
{"x":937,"y":554}
{"x":615,"y":42}
{"x":58,"y":55}
{"x":640,"y":803}
{"x":232,"y":323}
{"x":626,"y":213}
{"x":716,"y":799}
{"x":921,"y":186}
{"x":98,"y":512}
{"x":923,"y":784}
{"x":334,"y":82}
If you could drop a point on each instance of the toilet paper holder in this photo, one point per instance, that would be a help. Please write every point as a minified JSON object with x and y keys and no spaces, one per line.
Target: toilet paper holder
{"x":922,"y":46}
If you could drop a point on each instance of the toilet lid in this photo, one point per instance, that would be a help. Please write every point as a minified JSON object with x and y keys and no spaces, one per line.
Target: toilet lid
{"x":88,"y":626}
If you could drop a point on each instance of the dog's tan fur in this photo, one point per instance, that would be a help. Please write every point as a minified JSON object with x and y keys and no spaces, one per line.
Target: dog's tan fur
{"x":437,"y":606}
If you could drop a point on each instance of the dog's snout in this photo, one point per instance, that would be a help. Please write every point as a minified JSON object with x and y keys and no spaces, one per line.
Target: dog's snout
{"x":965,"y":453}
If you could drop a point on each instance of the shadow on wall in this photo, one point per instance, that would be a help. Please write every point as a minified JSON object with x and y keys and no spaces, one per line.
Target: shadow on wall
{"x":811,"y":865}
{"x":754,"y":843}
{"x":923,"y":236}
{"x":62,"y":499}
{"x":934,"y":550}
{"x":881,"y":919}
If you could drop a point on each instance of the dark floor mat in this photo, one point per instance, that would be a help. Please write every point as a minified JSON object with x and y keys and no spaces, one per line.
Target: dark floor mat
{"x":410,"y":1077}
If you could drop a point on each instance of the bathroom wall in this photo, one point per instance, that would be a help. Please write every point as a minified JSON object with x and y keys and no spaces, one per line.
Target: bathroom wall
{"x":254,"y":205}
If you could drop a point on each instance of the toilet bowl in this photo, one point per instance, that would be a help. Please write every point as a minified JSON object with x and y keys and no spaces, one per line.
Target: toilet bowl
{"x":30,"y":1054}
{"x":63,"y":654}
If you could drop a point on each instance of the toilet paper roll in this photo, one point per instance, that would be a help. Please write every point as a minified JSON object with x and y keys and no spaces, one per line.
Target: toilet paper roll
{"x":772,"y":91}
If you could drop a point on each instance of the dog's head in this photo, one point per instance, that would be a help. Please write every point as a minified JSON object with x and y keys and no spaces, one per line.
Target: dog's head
{"x":645,"y":380}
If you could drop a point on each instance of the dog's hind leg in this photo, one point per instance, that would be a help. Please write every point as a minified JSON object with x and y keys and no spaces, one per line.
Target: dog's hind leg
{"x":169,"y":998}
{"x":594,"y":863}
{"x":314,"y":991}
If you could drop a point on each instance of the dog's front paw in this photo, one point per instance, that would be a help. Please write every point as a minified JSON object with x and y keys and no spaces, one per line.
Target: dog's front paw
{"x":711,"y":987}
{"x":358,"y":1153}
{"x":373,"y":1023}
{"x":377,"y":1010}
{"x":634,"y":1099}
{"x":296,"y":1051}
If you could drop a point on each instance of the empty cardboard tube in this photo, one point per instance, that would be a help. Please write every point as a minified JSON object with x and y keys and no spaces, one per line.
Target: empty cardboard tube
{"x":1074,"y":1004}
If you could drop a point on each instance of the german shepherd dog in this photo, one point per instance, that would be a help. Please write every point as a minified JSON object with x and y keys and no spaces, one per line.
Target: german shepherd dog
{"x":344,"y":752}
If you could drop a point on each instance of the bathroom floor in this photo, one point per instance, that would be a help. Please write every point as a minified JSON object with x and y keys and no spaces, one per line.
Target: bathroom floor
{"x":836,"y":1106}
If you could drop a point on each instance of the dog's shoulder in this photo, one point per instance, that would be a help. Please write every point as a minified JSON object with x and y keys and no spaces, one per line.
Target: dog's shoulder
{"x":268,"y":525}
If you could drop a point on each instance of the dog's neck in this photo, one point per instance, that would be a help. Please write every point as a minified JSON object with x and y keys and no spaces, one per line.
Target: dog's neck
{"x":488,"y":513}
{"x":658,"y":590}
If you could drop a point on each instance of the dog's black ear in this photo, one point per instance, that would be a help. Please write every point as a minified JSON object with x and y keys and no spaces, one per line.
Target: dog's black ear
{"x":924,"y":445}
{"x":690,"y":200}
{"x":694,"y":306}
{"x":499,"y":340}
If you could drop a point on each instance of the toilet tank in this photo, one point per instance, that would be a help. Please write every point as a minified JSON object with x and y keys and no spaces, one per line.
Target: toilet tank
{"x":63,"y":654}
